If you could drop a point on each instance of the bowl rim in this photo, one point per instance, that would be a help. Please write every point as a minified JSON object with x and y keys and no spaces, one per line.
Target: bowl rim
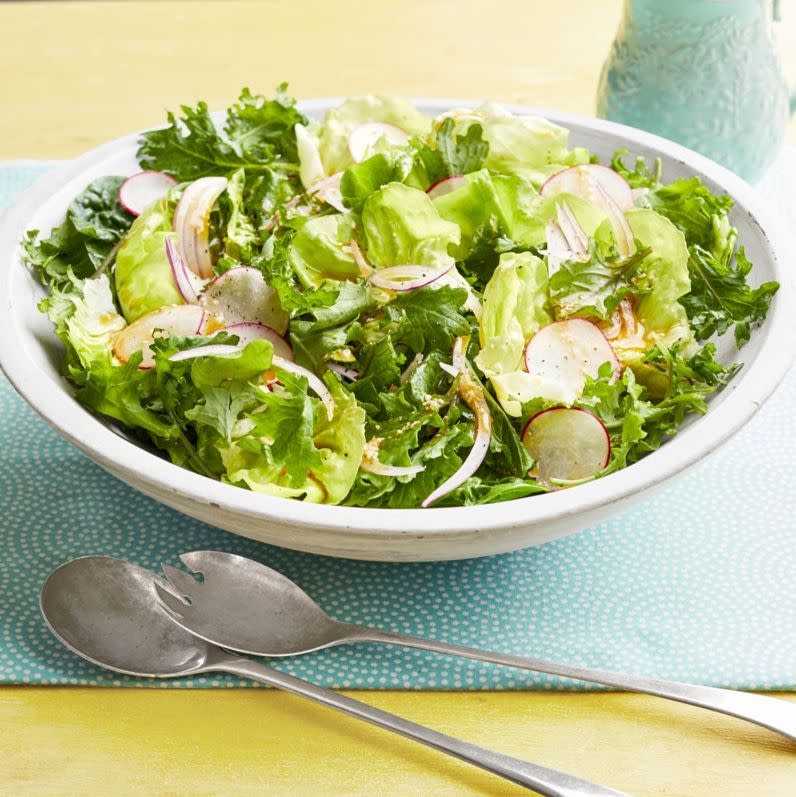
{"x":753,"y":385}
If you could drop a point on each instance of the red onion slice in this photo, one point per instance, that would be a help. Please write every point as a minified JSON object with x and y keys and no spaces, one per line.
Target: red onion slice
{"x":247,"y":331}
{"x":622,"y":232}
{"x":192,"y":222}
{"x":407,"y":278}
{"x":187,"y":282}
{"x":213,"y":350}
{"x":317,"y":385}
{"x":347,"y":373}
{"x":575,"y":235}
{"x":473,"y":395}
{"x":365,"y":269}
{"x":328,"y":190}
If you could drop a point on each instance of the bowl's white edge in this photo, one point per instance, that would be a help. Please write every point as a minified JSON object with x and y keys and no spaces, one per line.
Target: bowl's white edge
{"x":750,"y":390}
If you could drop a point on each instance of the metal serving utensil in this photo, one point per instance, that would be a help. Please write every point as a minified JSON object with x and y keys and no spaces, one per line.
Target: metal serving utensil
{"x":245,"y":606}
{"x":106,"y":611}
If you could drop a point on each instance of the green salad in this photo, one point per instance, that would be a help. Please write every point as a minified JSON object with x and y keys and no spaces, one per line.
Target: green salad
{"x":382,"y":309}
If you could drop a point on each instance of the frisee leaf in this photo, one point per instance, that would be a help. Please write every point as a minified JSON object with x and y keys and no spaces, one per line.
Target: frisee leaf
{"x":258,"y":137}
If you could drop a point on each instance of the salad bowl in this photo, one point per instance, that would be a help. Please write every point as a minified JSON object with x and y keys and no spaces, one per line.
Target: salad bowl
{"x":30,"y":356}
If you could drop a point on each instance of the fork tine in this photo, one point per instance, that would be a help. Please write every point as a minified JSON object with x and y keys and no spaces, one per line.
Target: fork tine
{"x":169,"y":602}
{"x":183,"y":582}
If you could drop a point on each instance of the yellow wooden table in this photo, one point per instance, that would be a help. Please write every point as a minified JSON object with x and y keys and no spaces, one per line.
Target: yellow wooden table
{"x":76,"y":74}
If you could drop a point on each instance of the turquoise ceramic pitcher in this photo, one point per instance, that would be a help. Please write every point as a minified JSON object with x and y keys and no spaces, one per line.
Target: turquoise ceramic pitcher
{"x":701,"y":72}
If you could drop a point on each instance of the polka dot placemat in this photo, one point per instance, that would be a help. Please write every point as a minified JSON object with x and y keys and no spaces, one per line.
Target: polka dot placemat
{"x":696,"y":584}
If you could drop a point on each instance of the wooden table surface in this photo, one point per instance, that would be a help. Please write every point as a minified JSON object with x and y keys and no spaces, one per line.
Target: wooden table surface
{"x":76,"y":74}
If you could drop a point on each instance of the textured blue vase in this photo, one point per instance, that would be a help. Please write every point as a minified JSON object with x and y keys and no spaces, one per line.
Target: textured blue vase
{"x":703,"y":73}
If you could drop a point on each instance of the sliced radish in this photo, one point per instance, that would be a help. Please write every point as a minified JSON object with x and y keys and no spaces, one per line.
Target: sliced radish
{"x":316,"y":385}
{"x":328,"y":190}
{"x":447,"y":185}
{"x":407,"y":278}
{"x":564,"y":353}
{"x":567,"y":443}
{"x":188,"y":284}
{"x":181,"y":319}
{"x":362,"y":138}
{"x":582,"y":181}
{"x":192,"y":222}
{"x":247,"y":332}
{"x":242,"y":295}
{"x":138,"y":192}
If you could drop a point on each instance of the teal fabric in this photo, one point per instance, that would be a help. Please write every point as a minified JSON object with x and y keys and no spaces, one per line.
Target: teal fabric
{"x":696,"y":584}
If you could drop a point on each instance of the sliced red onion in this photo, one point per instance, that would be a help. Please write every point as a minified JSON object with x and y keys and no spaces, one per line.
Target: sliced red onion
{"x":192,"y":222}
{"x":622,"y":232}
{"x":446,"y":185}
{"x":365,"y":269}
{"x":248,"y":331}
{"x":141,"y":190}
{"x":449,"y":369}
{"x":315,"y":383}
{"x":473,"y":395}
{"x":328,"y":190}
{"x":407,"y":278}
{"x":411,"y":368}
{"x":347,"y":373}
{"x":575,"y":235}
{"x":187,"y":282}
{"x":213,"y":350}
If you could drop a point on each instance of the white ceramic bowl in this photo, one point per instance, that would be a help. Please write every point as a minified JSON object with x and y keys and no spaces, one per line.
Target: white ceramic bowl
{"x":30,"y":354}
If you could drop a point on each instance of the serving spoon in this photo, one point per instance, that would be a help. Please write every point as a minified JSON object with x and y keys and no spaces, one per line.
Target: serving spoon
{"x":245,"y":606}
{"x":106,"y":611}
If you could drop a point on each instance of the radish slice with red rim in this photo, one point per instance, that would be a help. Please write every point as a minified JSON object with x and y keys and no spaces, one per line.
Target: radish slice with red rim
{"x":188,"y":284}
{"x":247,"y":332}
{"x":192,"y":222}
{"x":583,"y":180}
{"x":316,"y":384}
{"x":407,"y":278}
{"x":141,"y":190}
{"x":181,"y":319}
{"x":568,"y":444}
{"x":241,"y":295}
{"x":564,"y":353}
{"x":446,"y":185}
{"x":362,"y":138}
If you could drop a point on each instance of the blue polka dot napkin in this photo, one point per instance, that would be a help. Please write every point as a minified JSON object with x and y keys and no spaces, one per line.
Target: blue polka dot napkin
{"x":697,"y":584}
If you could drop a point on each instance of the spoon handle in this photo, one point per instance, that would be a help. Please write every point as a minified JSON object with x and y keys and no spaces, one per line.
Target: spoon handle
{"x":539,"y":779}
{"x":776,"y":715}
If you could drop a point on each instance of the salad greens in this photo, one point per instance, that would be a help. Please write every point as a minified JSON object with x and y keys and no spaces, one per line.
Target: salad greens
{"x":377,"y":308}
